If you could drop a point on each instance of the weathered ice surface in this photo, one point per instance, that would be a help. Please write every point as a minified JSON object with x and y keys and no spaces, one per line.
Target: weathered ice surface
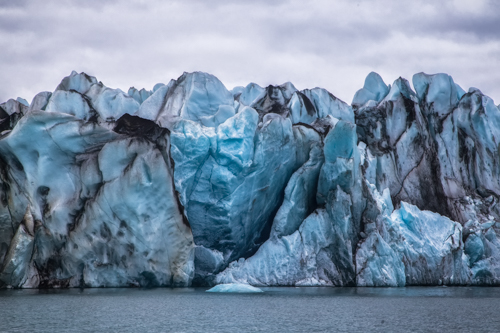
{"x":316,"y":248}
{"x":438,"y":149}
{"x":99,"y":204}
{"x":409,"y":246}
{"x":193,"y":184}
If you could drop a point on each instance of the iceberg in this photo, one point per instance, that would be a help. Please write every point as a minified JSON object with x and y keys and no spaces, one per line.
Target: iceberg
{"x":192,"y":184}
{"x":234,"y":288}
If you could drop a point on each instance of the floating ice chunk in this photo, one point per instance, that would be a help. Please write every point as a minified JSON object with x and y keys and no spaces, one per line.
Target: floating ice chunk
{"x":234,"y":288}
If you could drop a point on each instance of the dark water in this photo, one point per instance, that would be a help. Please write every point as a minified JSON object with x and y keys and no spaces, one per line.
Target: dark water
{"x":415,"y":309}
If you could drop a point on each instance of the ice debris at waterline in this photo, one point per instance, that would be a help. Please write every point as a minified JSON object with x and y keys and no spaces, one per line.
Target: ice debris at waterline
{"x":234,"y":288}
{"x":192,"y":184}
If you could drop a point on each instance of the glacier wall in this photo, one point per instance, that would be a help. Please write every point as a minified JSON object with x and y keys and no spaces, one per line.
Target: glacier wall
{"x":192,"y":184}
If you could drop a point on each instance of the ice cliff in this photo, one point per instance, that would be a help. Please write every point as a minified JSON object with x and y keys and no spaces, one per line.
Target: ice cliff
{"x":192,"y":184}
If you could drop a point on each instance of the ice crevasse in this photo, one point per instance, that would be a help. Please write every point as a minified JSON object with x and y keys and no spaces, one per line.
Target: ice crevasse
{"x":193,"y":184}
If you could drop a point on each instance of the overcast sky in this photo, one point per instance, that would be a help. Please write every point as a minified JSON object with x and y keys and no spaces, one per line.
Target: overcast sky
{"x":325,"y":43}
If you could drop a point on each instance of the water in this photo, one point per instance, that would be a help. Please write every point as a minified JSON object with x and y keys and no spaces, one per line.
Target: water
{"x":414,"y":309}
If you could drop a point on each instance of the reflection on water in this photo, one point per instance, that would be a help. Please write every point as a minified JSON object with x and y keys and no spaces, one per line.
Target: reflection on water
{"x":417,"y":309}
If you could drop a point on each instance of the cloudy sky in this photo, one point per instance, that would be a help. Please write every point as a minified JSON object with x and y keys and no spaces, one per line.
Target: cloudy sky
{"x":325,"y":43}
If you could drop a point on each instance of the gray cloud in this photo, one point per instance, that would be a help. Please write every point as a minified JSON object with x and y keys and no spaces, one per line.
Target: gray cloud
{"x":12,"y":3}
{"x":333,"y":44}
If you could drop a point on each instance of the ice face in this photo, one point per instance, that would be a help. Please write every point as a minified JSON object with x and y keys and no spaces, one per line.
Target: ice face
{"x":396,"y":133}
{"x":223,"y":177}
{"x":317,"y":254}
{"x":91,"y":193}
{"x":312,"y":248}
{"x":192,"y":184}
{"x":125,"y":221}
{"x":409,"y":246}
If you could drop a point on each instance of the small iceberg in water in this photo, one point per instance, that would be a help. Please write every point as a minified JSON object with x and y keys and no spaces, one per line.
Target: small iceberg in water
{"x":234,"y":288}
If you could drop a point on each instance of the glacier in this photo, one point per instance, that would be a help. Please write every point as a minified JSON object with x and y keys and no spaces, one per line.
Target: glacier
{"x":192,"y":184}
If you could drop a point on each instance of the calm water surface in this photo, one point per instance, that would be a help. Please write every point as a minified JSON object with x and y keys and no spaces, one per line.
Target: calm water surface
{"x":414,"y":309}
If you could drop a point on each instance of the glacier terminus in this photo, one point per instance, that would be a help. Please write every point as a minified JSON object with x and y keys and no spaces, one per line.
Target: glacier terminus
{"x":192,"y":184}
